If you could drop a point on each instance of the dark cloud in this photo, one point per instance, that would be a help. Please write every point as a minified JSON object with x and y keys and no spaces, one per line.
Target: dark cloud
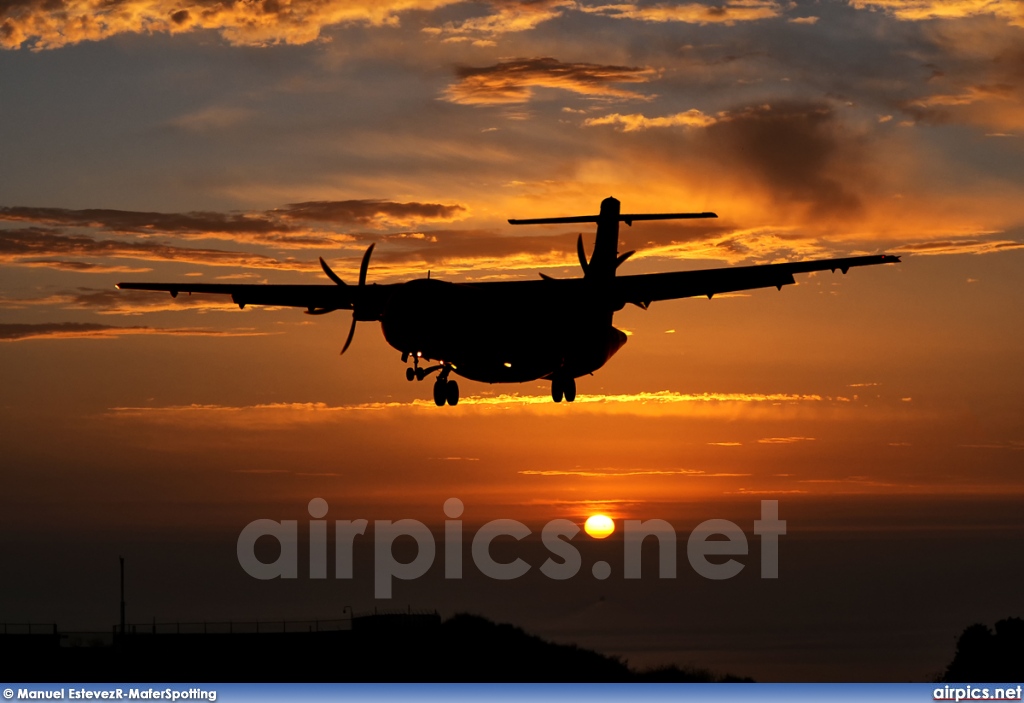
{"x":278,"y":228}
{"x":80,"y":266}
{"x":35,"y":245}
{"x":142,"y":222}
{"x":369,"y":212}
{"x":513,"y":81}
{"x":110,"y":301}
{"x":798,"y":151}
{"x":89,"y":330}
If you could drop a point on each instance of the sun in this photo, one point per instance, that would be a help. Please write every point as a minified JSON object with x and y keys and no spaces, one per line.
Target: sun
{"x":599,"y":526}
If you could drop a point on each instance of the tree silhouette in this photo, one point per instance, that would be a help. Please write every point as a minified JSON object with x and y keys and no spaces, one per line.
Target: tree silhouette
{"x":986,"y":656}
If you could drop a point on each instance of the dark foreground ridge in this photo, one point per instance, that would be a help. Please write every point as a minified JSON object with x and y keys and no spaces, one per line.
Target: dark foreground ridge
{"x":983,"y":655}
{"x":376,"y":648}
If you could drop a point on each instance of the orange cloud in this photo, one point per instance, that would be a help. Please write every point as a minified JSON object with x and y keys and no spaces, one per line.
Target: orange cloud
{"x":507,"y":17}
{"x":47,"y":25}
{"x":973,"y":94}
{"x":659,"y":403}
{"x":961,"y":246}
{"x":88,"y":330}
{"x":374,"y":213}
{"x":35,"y":246}
{"x":275,"y":227}
{"x":917,"y":10}
{"x":728,"y":13}
{"x":618,"y":473}
{"x":109,"y":301}
{"x":635,"y":122}
{"x":513,"y":81}
{"x":80,"y":266}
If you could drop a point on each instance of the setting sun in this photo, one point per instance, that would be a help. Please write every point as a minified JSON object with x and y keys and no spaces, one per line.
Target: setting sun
{"x":599,"y":526}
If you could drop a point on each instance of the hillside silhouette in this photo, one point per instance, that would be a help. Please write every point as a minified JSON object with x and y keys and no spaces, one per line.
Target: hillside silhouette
{"x":378,"y":648}
{"x":987,"y":656}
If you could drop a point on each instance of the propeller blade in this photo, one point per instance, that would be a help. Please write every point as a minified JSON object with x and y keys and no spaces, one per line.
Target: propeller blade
{"x":355,"y":303}
{"x":581,"y":253}
{"x":365,"y":265}
{"x":623,"y":257}
{"x":351,"y":333}
{"x":330,"y":274}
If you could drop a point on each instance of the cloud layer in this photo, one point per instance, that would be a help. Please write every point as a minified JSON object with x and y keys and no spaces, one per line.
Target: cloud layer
{"x":514,"y":81}
{"x":49,"y":25}
{"x":89,"y":330}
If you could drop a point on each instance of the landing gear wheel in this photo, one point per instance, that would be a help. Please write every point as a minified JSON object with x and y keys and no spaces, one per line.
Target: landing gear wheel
{"x":452,"y":393}
{"x":410,"y":374}
{"x":569,"y":388}
{"x":420,"y":374}
{"x":440,"y":392}
{"x":556,"y":390}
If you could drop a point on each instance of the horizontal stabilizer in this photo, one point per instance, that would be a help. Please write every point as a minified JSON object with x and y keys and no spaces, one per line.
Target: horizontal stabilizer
{"x":628,"y":219}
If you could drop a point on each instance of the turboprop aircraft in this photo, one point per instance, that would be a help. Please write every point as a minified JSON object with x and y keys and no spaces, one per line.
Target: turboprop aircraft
{"x":515,"y":331}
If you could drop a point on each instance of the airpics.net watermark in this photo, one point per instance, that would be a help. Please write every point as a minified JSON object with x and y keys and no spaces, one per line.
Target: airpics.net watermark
{"x":711,"y":538}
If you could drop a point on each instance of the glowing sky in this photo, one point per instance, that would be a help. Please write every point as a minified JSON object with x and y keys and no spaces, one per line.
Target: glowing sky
{"x":217,"y":142}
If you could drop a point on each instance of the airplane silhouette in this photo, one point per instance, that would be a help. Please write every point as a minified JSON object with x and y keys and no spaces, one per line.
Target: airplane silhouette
{"x":515,"y":331}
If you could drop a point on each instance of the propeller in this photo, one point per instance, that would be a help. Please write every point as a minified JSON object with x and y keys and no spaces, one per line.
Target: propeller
{"x":356,"y":299}
{"x":582,"y":254}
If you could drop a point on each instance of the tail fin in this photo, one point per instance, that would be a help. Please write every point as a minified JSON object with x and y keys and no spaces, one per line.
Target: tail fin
{"x":606,"y":257}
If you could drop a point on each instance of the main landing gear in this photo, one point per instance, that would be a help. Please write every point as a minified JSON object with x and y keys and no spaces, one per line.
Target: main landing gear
{"x":562,"y":387}
{"x":445,"y":391}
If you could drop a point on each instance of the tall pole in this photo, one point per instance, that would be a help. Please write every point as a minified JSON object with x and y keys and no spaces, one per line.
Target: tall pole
{"x":122,"y":594}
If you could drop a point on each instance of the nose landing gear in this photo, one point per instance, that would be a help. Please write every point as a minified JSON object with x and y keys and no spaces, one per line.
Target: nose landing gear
{"x":415,"y":371}
{"x":445,"y":391}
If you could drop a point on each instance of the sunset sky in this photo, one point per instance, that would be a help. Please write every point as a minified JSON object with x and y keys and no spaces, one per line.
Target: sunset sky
{"x":167,"y":140}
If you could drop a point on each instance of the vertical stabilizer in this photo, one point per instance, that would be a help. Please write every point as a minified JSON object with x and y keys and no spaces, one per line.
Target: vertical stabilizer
{"x":606,"y":257}
{"x":606,"y":244}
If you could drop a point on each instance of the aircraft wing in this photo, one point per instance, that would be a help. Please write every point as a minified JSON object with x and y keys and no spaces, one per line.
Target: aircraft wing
{"x":315,"y":298}
{"x":643,"y":289}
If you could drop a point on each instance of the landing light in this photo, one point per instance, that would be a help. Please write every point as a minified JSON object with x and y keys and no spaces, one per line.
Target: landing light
{"x":508,"y":365}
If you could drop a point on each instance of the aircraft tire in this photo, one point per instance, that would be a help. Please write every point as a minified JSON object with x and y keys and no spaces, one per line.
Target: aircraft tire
{"x":452,"y":393}
{"x":570,"y":390}
{"x":556,"y":390}
{"x":439,"y":392}
{"x":409,"y":374}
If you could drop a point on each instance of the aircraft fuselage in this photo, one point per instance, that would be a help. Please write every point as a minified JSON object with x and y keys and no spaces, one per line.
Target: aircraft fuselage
{"x":489,"y":337}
